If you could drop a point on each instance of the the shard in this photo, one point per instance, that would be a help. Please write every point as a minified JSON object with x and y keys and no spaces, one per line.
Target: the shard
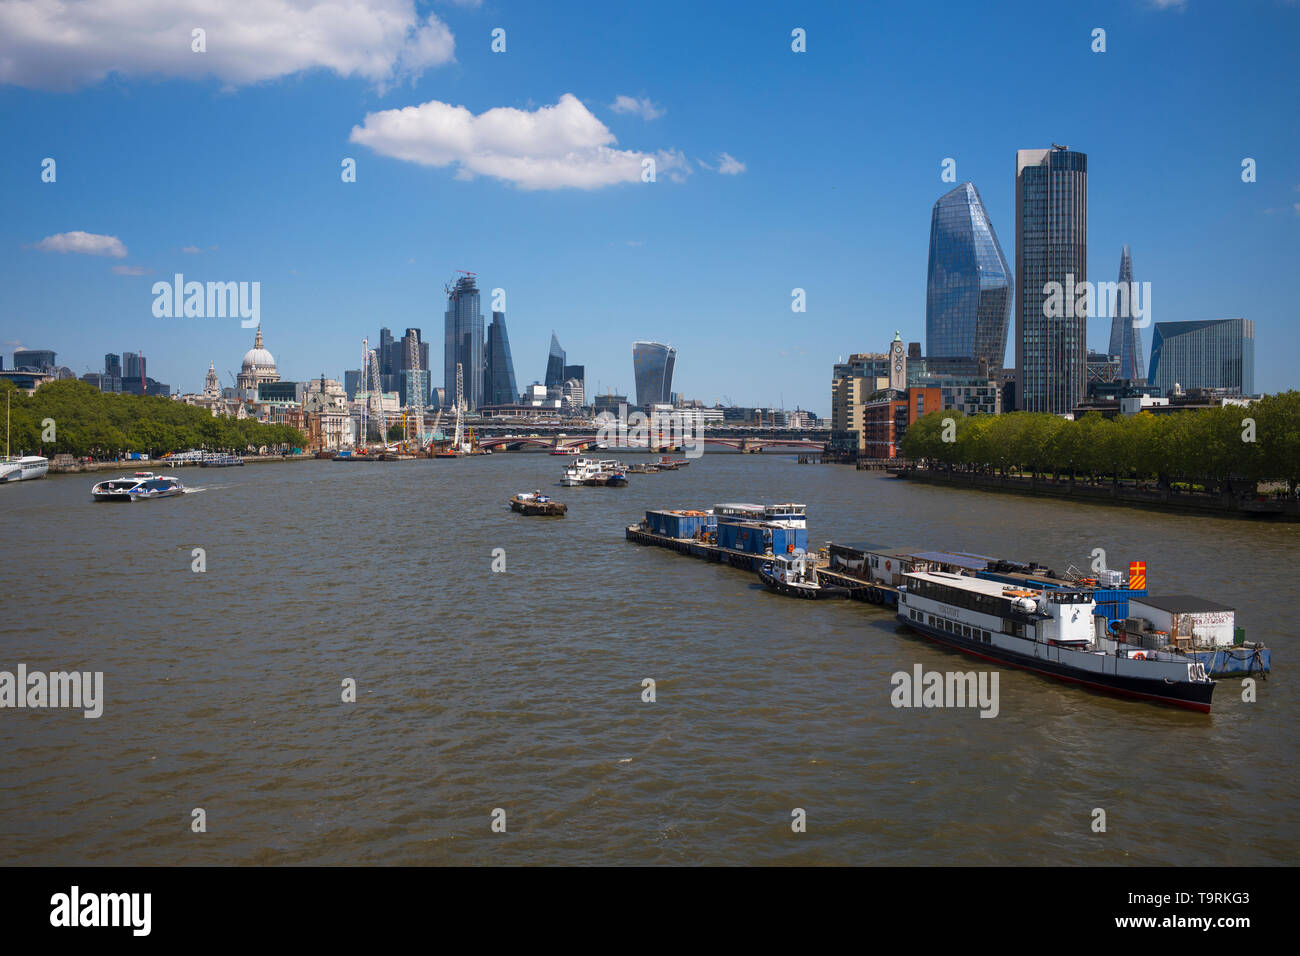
{"x":1125,"y":335}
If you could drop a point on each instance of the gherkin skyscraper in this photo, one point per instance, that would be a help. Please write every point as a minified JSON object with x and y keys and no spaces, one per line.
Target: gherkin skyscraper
{"x":968,"y":288}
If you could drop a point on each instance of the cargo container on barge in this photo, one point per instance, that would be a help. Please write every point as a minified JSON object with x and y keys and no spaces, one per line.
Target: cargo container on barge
{"x":725,"y":533}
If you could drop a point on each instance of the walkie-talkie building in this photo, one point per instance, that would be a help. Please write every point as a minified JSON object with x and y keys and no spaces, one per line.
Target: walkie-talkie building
{"x":968,"y":287}
{"x":1051,"y":247}
{"x":652,"y":364}
{"x":464,"y":342}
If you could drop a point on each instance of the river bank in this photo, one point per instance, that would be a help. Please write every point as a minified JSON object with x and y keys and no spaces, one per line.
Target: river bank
{"x":156,"y":464}
{"x":1223,"y":505}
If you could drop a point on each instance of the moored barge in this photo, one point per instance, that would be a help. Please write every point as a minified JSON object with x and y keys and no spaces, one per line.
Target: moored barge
{"x":1050,"y":632}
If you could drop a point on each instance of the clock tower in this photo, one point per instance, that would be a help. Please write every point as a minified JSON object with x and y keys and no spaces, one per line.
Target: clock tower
{"x":897,"y":364}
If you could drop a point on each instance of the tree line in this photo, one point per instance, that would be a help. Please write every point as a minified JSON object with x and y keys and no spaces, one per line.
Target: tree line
{"x":88,"y":422}
{"x":1223,"y":448}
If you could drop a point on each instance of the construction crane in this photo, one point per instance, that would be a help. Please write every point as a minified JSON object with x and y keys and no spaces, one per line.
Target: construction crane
{"x":370,"y":386}
{"x":419,"y":397}
{"x":460,"y":404}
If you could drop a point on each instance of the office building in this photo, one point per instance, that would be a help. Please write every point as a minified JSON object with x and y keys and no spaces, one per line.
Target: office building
{"x":499,"y":386}
{"x":464,"y":339}
{"x":554,"y":363}
{"x":1214,"y":354}
{"x":1051,"y":247}
{"x":39,"y":359}
{"x":968,"y":288}
{"x":1125,"y":335}
{"x":652,"y":366}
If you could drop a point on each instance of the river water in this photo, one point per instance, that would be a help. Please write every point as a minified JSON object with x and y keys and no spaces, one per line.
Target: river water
{"x":521,"y":690}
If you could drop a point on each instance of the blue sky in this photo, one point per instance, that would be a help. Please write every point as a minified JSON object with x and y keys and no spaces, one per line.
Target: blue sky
{"x":833,"y":157}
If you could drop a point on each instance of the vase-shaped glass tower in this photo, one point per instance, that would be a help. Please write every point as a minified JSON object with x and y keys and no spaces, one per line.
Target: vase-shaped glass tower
{"x":968,"y":288}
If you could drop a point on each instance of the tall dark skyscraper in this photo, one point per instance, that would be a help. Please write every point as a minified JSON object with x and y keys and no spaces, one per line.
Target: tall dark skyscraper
{"x":133,"y":366}
{"x":1051,"y":246}
{"x":555,"y":364}
{"x":1125,"y":336}
{"x":464,"y":342}
{"x":968,"y":287}
{"x":113,"y":365}
{"x":499,"y":386}
{"x":386,"y":356}
{"x":652,"y":365}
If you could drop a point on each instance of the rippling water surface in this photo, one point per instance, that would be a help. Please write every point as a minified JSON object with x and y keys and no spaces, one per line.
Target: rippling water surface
{"x":522,"y":690}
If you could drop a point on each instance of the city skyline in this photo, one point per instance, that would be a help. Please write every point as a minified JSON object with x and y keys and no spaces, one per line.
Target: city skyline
{"x":692,"y":262}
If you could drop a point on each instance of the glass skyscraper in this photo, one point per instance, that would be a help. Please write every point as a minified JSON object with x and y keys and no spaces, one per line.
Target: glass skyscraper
{"x":1051,"y":246}
{"x":1218,"y":353}
{"x":652,"y":364}
{"x":499,"y":378}
{"x":1125,"y":336}
{"x":555,"y":364}
{"x":463,"y":343}
{"x":968,"y":287}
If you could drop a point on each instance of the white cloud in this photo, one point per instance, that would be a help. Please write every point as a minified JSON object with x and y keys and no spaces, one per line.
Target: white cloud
{"x":553,"y":147}
{"x":55,"y":44}
{"x":87,"y":243}
{"x":130,"y":270}
{"x":729,"y":165}
{"x":641,"y":107}
{"x":192,"y":250}
{"x":1169,"y":4}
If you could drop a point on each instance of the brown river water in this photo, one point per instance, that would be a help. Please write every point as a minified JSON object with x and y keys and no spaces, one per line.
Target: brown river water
{"x":522,"y":690}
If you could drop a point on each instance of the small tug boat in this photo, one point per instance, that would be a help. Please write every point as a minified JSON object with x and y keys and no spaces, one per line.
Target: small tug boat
{"x":143,"y":485}
{"x":672,"y":464}
{"x":795,"y":575}
{"x":536,"y":503}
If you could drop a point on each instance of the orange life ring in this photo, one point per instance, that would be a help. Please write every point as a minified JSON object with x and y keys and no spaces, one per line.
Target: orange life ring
{"x":1138,"y":655}
{"x":886,"y":565}
{"x":789,"y":549}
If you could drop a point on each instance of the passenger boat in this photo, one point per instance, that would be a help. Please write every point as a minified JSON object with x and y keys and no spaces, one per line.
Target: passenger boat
{"x":795,"y":575}
{"x":581,"y":469}
{"x":785,"y":515}
{"x":566,"y":450}
{"x":24,"y":468}
{"x":21,"y":468}
{"x":536,"y":503}
{"x":1050,"y":631}
{"x":142,"y":485}
{"x":220,"y":461}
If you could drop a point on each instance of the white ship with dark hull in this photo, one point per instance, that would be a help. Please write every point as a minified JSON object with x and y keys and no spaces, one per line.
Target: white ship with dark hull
{"x":1052,"y":632}
{"x":23,"y":469}
{"x":142,"y":486}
